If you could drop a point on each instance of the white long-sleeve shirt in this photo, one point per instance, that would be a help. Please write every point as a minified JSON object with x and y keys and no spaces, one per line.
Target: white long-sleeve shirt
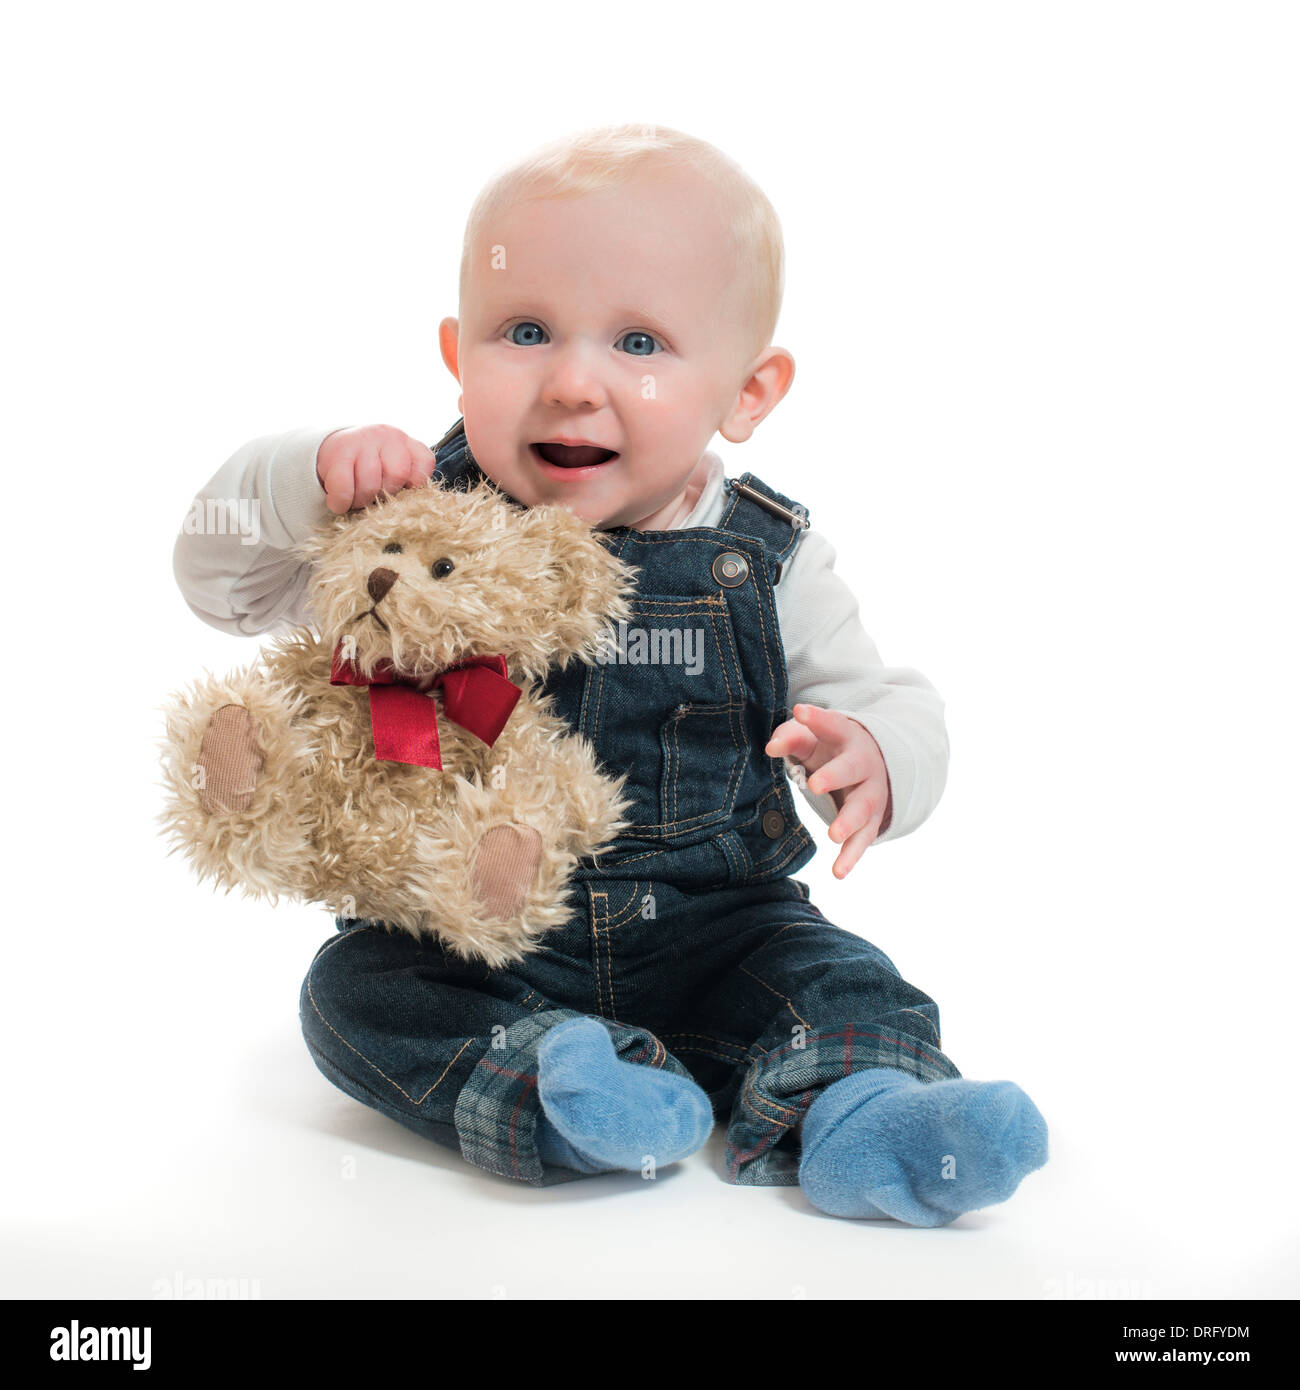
{"x":240,"y":576}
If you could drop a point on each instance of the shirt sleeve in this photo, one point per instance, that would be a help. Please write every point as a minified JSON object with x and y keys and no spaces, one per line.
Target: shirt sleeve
{"x":832,"y":662}
{"x":233,"y":557}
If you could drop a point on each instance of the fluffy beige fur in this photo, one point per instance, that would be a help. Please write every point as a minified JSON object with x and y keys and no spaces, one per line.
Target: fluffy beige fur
{"x":322,"y":819}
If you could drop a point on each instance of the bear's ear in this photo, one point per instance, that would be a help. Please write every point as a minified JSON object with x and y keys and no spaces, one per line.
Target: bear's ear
{"x":577,"y":587}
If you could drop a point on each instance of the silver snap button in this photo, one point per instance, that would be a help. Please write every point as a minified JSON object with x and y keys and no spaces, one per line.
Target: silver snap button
{"x":730,"y":569}
{"x":773,"y":825}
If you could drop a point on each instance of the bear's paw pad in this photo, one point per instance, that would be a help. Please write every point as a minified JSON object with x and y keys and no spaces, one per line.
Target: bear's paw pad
{"x":503,"y":867}
{"x":230,"y":761}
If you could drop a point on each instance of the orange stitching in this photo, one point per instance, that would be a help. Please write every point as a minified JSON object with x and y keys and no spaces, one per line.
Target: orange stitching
{"x":646,"y":606}
{"x":764,"y":592}
{"x":369,"y":1063}
{"x":926,"y":1021}
{"x":673,"y":761}
{"x":704,"y":1052}
{"x":630,"y":908}
{"x":731,"y":853}
{"x":609,"y":962}
{"x":777,"y":992}
{"x":443,"y":1077}
{"x":706,"y":1037}
{"x":595,"y":942}
{"x":699,"y":540}
{"x":756,"y":1100}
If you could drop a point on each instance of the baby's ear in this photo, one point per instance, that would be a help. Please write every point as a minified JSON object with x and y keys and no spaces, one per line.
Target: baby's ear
{"x":580,"y":586}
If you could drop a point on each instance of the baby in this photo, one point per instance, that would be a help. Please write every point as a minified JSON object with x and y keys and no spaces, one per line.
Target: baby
{"x":618,"y":295}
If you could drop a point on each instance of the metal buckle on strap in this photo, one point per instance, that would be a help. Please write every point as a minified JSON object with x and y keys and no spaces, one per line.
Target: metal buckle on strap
{"x":798,"y":517}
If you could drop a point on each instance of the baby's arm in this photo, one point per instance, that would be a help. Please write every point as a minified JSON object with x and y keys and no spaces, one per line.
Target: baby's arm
{"x":234,"y":559}
{"x":833,"y":664}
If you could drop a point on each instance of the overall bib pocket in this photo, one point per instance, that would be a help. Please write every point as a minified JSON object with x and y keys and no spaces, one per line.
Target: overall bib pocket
{"x":696,"y":737}
{"x":678,"y":728}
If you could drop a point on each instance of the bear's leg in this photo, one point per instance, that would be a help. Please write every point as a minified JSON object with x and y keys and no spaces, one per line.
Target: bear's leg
{"x":501,"y":869}
{"x":491,"y":873}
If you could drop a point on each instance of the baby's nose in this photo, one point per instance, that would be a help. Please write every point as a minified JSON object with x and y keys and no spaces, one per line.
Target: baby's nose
{"x":573,"y":382}
{"x":379,"y":583}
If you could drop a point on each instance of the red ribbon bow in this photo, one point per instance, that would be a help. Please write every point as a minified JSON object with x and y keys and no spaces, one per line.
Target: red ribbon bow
{"x":404,"y":718}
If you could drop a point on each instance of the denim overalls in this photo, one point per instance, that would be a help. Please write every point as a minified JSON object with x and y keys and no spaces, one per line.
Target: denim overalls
{"x":690,"y":940}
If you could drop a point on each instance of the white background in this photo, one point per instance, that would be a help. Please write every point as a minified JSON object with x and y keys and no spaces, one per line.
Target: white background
{"x":1042,"y":295}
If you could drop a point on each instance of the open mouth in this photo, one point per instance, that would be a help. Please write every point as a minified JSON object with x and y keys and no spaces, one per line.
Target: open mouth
{"x":572,"y":455}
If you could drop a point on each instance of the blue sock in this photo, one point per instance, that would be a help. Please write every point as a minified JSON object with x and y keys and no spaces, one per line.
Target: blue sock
{"x":879,"y":1143}
{"x":601,"y":1113}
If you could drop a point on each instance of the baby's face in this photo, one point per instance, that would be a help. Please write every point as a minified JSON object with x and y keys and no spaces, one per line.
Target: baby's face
{"x":612,"y":324}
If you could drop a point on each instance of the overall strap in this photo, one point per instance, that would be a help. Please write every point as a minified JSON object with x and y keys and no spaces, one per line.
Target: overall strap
{"x":759,"y":511}
{"x":457,"y":429}
{"x":457,"y":469}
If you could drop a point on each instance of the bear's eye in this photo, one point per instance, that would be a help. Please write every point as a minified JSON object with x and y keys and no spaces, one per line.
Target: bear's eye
{"x":442,"y":568}
{"x":392,"y":548}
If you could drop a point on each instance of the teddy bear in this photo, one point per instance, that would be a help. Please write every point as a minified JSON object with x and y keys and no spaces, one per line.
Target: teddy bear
{"x":398,"y":760}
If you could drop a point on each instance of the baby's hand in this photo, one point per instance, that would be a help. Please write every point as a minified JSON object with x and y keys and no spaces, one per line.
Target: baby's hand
{"x":355,"y":465}
{"x":842,"y":758}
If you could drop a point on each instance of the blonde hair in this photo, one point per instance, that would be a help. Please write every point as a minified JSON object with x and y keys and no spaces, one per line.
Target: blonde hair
{"x":602,"y":157}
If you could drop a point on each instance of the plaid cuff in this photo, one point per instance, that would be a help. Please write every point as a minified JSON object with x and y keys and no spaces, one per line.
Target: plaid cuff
{"x":762,"y":1146}
{"x":496,"y":1111}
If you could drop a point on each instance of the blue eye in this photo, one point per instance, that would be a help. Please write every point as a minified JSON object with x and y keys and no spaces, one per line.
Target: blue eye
{"x":527,"y":334}
{"x":638,"y":344}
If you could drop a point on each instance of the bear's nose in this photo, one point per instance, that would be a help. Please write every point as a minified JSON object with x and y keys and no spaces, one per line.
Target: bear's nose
{"x":380,"y":582}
